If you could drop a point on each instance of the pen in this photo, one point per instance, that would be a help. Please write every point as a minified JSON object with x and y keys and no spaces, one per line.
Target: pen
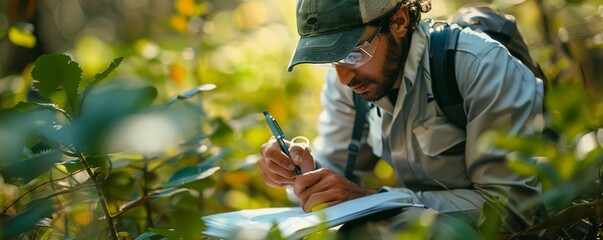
{"x":279,"y":135}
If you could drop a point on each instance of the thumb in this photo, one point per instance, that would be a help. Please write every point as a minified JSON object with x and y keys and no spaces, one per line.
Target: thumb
{"x":302,"y":157}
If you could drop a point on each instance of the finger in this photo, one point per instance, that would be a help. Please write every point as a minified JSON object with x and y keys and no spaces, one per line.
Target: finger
{"x":274,"y":153}
{"x":302,"y":157}
{"x":269,"y":177}
{"x":274,"y":175}
{"x":276,"y":161}
{"x":261,"y":163}
{"x":320,"y":200}
{"x":277,"y":169}
{"x":275,"y":180}
{"x":338,"y":187}
{"x":269,"y":164}
{"x":309,"y":180}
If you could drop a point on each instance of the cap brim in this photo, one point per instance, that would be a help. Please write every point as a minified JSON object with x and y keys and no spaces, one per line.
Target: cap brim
{"x":326,"y":48}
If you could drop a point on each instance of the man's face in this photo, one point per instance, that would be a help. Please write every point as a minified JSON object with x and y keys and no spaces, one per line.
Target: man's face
{"x":379,"y":75}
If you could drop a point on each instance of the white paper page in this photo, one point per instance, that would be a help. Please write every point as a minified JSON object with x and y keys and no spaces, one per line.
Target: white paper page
{"x":345,"y":211}
{"x":293,"y":222}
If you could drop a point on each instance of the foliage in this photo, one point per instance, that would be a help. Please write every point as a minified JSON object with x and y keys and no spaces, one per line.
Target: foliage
{"x":155,"y":164}
{"x":568,"y":158}
{"x":65,"y":155}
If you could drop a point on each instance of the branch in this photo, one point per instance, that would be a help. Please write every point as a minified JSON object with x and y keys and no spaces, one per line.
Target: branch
{"x":36,"y":187}
{"x":101,"y":196}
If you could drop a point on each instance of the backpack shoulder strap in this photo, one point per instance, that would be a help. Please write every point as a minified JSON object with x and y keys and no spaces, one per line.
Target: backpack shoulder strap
{"x":354,"y":147}
{"x":442,"y":52}
{"x":446,"y":91}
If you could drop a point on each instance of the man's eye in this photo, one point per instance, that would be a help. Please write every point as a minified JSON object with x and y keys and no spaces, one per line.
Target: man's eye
{"x":352,"y":58}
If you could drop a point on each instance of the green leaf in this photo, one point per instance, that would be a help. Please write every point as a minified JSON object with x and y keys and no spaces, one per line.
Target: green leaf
{"x":560,"y":196}
{"x":569,"y":108}
{"x":522,"y":164}
{"x":105,"y":106}
{"x":530,"y":146}
{"x":195,"y":140}
{"x":21,"y":34}
{"x":57,"y":78}
{"x":216,"y":157}
{"x":570,"y":216}
{"x":169,"y":233}
{"x":223,"y":133}
{"x":548,"y":176}
{"x":146,"y":235}
{"x":190,"y":93}
{"x":99,"y":77}
{"x":45,"y":122}
{"x":13,"y":134}
{"x":187,"y":223}
{"x":27,"y":219}
{"x":190,"y":174}
{"x":117,"y":99}
{"x":193,"y":151}
{"x":593,"y":158}
{"x":41,"y":147}
{"x":29,"y":106}
{"x":46,"y":234}
{"x":18,"y":130}
{"x":24,"y":171}
{"x":158,"y":194}
{"x":102,"y":75}
{"x":125,"y":162}
{"x":75,"y":165}
{"x":490,"y":221}
{"x":200,"y":185}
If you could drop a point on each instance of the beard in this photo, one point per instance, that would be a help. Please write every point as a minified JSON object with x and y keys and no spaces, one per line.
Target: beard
{"x":389,"y":73}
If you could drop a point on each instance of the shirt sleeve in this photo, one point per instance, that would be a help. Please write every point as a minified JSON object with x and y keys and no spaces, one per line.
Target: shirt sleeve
{"x":501,"y":95}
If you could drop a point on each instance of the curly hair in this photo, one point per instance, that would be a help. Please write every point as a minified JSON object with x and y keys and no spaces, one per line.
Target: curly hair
{"x":415,"y":8}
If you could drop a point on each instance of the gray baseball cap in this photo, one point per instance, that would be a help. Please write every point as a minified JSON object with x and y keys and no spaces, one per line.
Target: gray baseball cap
{"x":330,"y":29}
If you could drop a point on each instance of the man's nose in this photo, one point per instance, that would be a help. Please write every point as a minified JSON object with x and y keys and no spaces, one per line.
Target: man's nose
{"x":344,"y":75}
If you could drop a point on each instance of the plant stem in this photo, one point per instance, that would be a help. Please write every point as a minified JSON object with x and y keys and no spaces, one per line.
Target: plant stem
{"x":145,"y":192}
{"x":60,"y":203}
{"x":34,"y":188}
{"x":101,"y":196}
{"x":55,"y":194}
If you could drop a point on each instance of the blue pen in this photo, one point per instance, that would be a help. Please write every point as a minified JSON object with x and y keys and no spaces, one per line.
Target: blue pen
{"x":280,"y":136}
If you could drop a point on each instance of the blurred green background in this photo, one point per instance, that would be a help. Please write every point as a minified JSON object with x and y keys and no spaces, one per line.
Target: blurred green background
{"x":243,"y":48}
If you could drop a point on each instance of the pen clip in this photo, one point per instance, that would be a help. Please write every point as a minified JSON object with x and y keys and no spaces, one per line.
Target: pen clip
{"x":274,"y":127}
{"x":280,"y":136}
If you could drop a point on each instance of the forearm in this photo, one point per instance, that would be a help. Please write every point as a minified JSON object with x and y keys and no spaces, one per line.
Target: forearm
{"x":454,"y":200}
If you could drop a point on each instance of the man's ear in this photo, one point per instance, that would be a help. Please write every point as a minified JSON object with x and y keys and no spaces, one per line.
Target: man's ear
{"x":399,"y":22}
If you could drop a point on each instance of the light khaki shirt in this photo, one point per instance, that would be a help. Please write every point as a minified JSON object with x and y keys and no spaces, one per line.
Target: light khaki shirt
{"x":413,"y":135}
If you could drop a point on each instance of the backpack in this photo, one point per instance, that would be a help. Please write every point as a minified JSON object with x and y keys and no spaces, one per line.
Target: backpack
{"x":478,"y":17}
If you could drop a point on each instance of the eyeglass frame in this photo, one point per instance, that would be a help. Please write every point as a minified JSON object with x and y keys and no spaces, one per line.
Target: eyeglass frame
{"x":367,"y":42}
{"x":361,"y":50}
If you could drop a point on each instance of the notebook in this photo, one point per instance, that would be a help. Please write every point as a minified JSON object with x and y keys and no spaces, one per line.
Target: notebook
{"x":293,"y":222}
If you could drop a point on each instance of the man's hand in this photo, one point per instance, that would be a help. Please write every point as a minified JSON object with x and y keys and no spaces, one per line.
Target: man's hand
{"x":277,"y":169}
{"x":325,"y":188}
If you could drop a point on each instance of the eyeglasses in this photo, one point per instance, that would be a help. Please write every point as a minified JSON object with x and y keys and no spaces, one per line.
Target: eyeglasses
{"x":361,"y":54}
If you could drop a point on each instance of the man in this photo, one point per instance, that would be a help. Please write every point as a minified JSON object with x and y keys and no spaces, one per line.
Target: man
{"x":379,"y":49}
